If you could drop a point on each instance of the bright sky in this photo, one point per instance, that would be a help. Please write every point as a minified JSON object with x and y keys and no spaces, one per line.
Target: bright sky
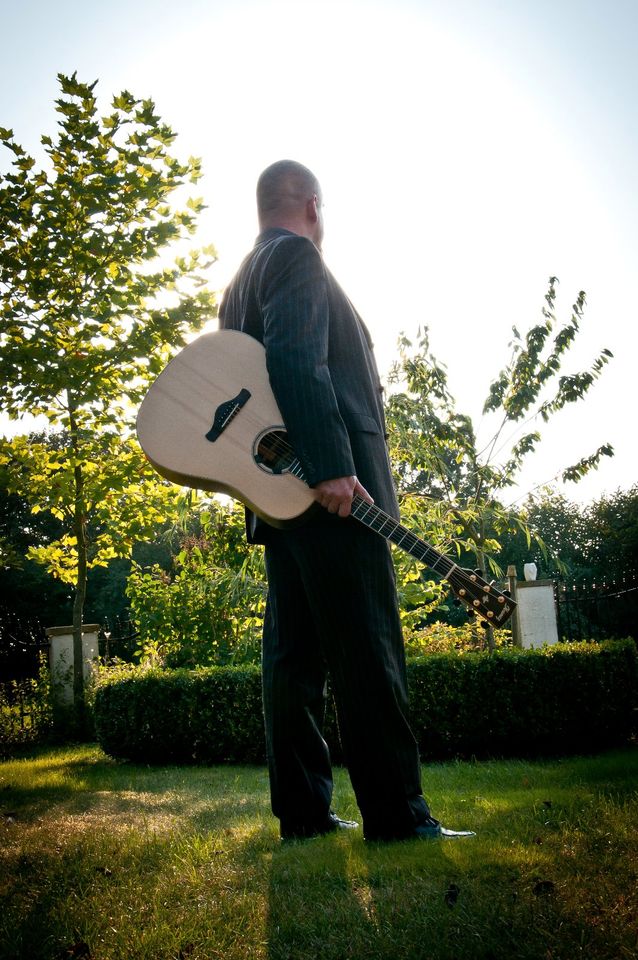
{"x":467,"y":149}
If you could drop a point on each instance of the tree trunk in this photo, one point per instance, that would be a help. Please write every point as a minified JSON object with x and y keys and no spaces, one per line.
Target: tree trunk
{"x":79,"y":530}
{"x":480,"y":556}
{"x":78,"y":611}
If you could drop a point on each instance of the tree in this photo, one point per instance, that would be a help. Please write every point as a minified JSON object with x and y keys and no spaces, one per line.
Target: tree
{"x":597,"y":541}
{"x":614,"y":539}
{"x":208,"y":608}
{"x":28,"y":592}
{"x":90,"y":315}
{"x":23,"y":582}
{"x":442,"y":474}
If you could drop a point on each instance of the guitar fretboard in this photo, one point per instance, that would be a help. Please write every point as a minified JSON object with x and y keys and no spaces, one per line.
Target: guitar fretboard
{"x":391,"y":529}
{"x":479,"y":597}
{"x":378,"y":520}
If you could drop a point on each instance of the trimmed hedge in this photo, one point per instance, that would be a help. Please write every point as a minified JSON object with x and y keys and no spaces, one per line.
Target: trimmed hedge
{"x":567,"y":698}
{"x":208,"y":715}
{"x":561,"y":699}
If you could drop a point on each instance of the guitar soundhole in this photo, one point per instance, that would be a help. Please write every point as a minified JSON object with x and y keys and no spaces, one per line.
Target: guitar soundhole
{"x":273,"y":453}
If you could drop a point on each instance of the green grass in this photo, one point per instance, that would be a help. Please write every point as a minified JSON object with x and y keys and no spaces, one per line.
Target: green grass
{"x":110,"y":860}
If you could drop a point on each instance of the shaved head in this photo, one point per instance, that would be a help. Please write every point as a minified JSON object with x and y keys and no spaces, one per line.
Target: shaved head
{"x":283,"y":190}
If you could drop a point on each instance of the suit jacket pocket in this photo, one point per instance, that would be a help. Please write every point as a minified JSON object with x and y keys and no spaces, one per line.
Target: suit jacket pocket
{"x":360,"y":423}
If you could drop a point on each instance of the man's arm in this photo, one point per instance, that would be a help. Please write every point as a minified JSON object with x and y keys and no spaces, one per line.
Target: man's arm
{"x":293,"y":298}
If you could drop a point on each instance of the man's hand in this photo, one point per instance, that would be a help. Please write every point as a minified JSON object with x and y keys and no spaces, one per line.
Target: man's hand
{"x":336,"y":495}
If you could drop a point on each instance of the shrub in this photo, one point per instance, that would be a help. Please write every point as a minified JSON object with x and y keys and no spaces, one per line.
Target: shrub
{"x":208,"y":610}
{"x":561,"y":699}
{"x":26,"y":711}
{"x":206,"y":715}
{"x":440,"y":637}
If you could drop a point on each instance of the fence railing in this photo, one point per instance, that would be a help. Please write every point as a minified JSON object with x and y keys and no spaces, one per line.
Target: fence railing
{"x":24,"y":647}
{"x":597,"y":609}
{"x":23,"y":643}
{"x":23,"y":640}
{"x":25,"y":712}
{"x":118,"y":640}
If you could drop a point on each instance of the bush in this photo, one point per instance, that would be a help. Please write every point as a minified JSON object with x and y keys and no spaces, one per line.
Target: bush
{"x":26,"y":711}
{"x":440,"y":637}
{"x":208,"y":610}
{"x":562,"y":699}
{"x":206,"y":715}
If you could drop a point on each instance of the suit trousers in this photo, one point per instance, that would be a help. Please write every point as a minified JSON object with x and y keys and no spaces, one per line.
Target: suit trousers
{"x":332,"y":610}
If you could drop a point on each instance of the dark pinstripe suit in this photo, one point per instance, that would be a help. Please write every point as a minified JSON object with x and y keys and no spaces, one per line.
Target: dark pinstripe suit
{"x":332,"y":599}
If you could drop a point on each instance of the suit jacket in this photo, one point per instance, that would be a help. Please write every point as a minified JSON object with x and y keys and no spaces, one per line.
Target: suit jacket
{"x":320,"y":362}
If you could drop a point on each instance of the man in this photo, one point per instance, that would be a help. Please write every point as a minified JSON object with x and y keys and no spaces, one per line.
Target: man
{"x":332,"y":604}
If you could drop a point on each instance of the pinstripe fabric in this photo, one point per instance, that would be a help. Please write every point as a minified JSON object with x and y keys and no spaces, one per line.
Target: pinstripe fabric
{"x":320,"y":362}
{"x":332,"y":597}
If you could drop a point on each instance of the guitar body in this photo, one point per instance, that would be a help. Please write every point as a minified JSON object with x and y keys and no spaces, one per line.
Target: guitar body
{"x":178,"y":413}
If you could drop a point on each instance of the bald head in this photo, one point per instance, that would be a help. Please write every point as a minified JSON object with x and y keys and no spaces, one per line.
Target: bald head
{"x":289,"y":196}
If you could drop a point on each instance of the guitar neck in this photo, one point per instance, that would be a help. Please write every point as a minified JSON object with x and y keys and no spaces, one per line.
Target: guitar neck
{"x":480,"y":597}
{"x":382,"y":523}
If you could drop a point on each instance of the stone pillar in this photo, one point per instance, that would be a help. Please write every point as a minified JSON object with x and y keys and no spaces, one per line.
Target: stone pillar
{"x":536,"y":613}
{"x":61,"y":657}
{"x":515,"y":626}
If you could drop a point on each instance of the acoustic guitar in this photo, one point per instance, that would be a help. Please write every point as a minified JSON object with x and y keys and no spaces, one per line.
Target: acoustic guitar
{"x":211,"y":421}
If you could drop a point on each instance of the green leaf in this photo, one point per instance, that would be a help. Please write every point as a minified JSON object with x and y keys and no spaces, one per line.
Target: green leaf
{"x":81,"y":267}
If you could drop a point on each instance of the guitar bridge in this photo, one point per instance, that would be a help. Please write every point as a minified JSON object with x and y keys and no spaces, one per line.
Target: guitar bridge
{"x":225,"y":413}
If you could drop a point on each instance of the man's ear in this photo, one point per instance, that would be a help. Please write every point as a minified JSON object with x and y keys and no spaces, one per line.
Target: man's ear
{"x":312,"y":208}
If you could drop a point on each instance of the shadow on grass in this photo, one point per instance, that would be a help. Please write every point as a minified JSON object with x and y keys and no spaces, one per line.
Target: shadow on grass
{"x":186,"y":862}
{"x":552,"y":873}
{"x":94,"y":786}
{"x":420,"y":901}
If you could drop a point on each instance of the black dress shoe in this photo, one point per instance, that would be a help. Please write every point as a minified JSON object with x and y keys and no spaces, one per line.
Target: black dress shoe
{"x":433,"y":830}
{"x":305,"y":831}
{"x":430,"y":829}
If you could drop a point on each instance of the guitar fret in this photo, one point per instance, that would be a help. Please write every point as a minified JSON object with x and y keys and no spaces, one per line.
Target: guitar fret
{"x":401,"y":541}
{"x":378,"y":521}
{"x":451,"y":566}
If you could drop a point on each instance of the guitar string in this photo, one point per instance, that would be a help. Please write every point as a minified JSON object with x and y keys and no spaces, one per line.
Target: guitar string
{"x":408,"y":541}
{"x":454,"y":574}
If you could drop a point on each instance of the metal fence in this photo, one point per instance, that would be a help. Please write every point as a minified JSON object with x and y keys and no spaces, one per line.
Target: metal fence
{"x":597,"y":610}
{"x":23,"y":641}
{"x":24,"y":713}
{"x":25,"y":707}
{"x":118,"y":640}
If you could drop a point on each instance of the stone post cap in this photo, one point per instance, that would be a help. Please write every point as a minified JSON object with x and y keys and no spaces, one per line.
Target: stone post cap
{"x":61,"y":631}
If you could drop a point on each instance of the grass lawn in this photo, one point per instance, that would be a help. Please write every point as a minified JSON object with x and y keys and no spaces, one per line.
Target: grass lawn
{"x":106,"y":860}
